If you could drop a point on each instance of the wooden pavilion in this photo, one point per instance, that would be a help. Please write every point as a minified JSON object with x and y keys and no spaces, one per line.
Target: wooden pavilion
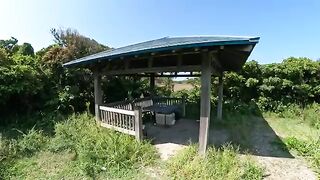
{"x":202,"y":56}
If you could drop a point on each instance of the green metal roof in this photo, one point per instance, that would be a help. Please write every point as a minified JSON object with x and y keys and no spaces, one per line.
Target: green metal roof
{"x":164,"y":44}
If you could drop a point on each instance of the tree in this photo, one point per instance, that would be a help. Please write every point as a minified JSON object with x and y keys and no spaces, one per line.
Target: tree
{"x":69,"y":87}
{"x":26,"y":49}
{"x":9,"y":44}
{"x":76,"y":45}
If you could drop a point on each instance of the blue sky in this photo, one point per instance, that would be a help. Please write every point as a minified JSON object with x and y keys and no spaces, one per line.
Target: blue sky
{"x":286,"y":27}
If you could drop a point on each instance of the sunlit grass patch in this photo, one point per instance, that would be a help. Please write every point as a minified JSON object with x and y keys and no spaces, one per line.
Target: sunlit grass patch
{"x":219,"y":163}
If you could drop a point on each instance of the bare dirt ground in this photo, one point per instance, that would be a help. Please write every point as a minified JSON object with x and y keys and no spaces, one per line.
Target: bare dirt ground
{"x":169,"y":140}
{"x":278,"y":163}
{"x":179,"y":87}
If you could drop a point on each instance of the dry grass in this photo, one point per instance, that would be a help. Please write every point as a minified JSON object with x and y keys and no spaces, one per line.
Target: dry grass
{"x":179,"y":87}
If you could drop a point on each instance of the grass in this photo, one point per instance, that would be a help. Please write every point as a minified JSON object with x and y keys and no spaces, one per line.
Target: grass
{"x":287,"y":127}
{"x":293,"y":131}
{"x":239,"y":128}
{"x":222,"y":163}
{"x":308,"y":117}
{"x":78,"y":149}
{"x":299,"y":130}
{"x":46,"y":164}
{"x":307,"y":149}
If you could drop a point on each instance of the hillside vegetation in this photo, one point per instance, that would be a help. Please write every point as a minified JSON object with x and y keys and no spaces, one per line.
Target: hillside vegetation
{"x":40,"y":136}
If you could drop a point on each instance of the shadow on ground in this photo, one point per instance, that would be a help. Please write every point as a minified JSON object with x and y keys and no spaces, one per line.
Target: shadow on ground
{"x":251,"y":133}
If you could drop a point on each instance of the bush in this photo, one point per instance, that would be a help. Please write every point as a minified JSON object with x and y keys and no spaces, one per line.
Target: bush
{"x":99,"y":149}
{"x":31,"y":142}
{"x":222,"y":163}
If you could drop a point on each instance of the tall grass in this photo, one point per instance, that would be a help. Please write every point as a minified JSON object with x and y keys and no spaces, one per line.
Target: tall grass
{"x":95,"y":150}
{"x":99,"y":149}
{"x":27,"y":144}
{"x":309,"y":114}
{"x":222,"y":163}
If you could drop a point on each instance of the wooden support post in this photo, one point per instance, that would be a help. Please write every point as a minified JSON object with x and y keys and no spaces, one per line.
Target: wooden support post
{"x":97,"y":95}
{"x":220,"y":97}
{"x":183,"y":113}
{"x":205,"y":103}
{"x":138,"y":123}
{"x":152,"y":84}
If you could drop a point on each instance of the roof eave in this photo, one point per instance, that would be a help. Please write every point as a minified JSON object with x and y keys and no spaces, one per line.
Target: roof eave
{"x":86,"y":60}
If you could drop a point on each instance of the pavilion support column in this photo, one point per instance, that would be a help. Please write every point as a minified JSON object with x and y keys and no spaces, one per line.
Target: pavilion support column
{"x":152,"y":84}
{"x":220,"y":98}
{"x":205,"y":103}
{"x":97,"y":95}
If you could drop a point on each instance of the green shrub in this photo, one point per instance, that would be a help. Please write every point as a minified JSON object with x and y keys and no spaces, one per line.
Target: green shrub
{"x":99,"y":149}
{"x":311,"y":114}
{"x":31,"y":142}
{"x":252,"y":171}
{"x":28,"y":144}
{"x":220,"y":163}
{"x":7,"y":148}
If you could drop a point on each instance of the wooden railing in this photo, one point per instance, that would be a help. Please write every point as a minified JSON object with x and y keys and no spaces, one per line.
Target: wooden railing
{"x":126,"y":116}
{"x":143,"y":102}
{"x":126,"y":105}
{"x":125,"y":121}
{"x":167,"y":101}
{"x":170,"y":101}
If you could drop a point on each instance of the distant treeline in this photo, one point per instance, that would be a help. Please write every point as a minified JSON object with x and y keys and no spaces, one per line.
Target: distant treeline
{"x":270,"y":86}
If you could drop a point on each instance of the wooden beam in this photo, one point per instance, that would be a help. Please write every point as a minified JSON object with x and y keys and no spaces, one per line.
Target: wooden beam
{"x":152,"y":84}
{"x":205,"y":103}
{"x":127,"y":64}
{"x":183,"y":113}
{"x":167,"y":75}
{"x":247,"y":48}
{"x":153,"y":70}
{"x":220,"y":97}
{"x":150,"y":62}
{"x":179,"y":63}
{"x":97,"y":94}
{"x":216,"y":65}
{"x":138,"y":123}
{"x":156,"y":55}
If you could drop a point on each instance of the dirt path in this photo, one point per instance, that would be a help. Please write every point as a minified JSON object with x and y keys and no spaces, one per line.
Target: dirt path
{"x":265,"y":147}
{"x":285,"y":168}
{"x":277,"y":162}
